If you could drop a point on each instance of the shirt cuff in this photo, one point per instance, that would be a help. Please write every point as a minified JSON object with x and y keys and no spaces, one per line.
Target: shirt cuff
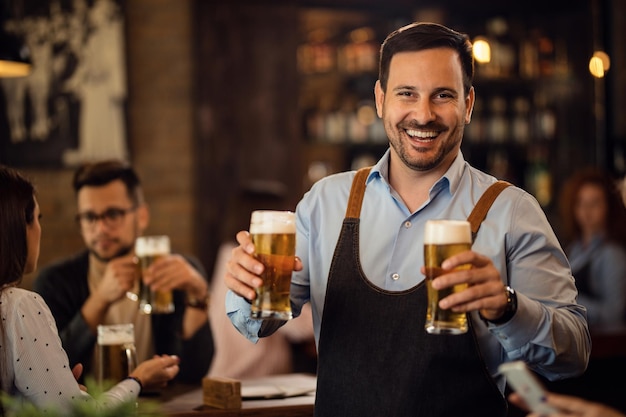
{"x":238,"y":311}
{"x":518,"y":331}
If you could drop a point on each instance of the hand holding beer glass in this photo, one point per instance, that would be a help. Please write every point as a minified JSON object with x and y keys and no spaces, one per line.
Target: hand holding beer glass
{"x":116,"y":356}
{"x":443,"y":239}
{"x":148,"y":249}
{"x":274,"y":236}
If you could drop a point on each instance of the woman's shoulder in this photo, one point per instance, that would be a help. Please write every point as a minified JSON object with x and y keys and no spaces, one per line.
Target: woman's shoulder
{"x":16,"y":298}
{"x":18,"y":294}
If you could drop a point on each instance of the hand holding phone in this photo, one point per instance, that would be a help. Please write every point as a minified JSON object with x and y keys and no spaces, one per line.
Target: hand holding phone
{"x":527,"y":386}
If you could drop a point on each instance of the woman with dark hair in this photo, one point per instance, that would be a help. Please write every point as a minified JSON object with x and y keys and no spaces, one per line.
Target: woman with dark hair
{"x":33,"y":364}
{"x":594,"y":220}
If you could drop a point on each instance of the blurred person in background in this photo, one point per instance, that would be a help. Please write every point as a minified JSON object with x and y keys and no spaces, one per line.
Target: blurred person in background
{"x":290,"y":349}
{"x":90,"y":288}
{"x":34,"y":365}
{"x":594,"y":226}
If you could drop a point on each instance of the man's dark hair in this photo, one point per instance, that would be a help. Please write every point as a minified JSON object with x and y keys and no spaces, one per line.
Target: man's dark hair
{"x":101,"y":173}
{"x":420,"y":36}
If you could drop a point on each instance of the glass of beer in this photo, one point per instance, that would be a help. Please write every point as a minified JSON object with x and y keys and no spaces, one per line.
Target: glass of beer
{"x":442,"y":239}
{"x":274,"y":237}
{"x":115,"y":352}
{"x":148,"y":249}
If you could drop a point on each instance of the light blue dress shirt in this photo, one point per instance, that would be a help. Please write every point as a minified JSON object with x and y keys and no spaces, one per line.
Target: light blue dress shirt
{"x":549,"y":330}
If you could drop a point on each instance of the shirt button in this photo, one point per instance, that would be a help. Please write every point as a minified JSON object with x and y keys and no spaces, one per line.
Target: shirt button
{"x":395,"y":276}
{"x":407,"y":224}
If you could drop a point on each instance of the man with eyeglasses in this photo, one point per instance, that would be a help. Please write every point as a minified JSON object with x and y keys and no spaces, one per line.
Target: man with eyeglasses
{"x":91,"y":287}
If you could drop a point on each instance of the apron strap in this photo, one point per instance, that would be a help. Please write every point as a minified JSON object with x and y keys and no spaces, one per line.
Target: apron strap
{"x":356,"y":193}
{"x":479,"y":213}
{"x":475,"y":218}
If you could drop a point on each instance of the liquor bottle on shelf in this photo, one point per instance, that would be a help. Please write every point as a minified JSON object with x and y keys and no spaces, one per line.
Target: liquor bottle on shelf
{"x":497,"y":124}
{"x":544,"y":118}
{"x":520,"y":124}
{"x":538,"y":178}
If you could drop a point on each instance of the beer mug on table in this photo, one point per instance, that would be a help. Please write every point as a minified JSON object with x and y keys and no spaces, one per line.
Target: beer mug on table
{"x":442,"y":239}
{"x":274,"y":237}
{"x":116,"y":356}
{"x":148,"y":249}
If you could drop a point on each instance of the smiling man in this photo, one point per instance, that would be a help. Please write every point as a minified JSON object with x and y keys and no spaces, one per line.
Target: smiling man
{"x":360,"y":250}
{"x":90,"y":288}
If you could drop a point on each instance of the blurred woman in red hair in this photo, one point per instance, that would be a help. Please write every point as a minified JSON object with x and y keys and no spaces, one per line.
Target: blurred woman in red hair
{"x":594,"y":220}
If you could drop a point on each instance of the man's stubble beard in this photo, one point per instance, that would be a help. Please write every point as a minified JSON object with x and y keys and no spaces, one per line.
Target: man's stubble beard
{"x":124,"y":250}
{"x":421,"y":165}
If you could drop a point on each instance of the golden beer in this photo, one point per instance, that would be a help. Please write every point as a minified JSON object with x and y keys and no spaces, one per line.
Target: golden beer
{"x":148,"y":249}
{"x":443,"y":239}
{"x":116,"y":356}
{"x":274,"y":237}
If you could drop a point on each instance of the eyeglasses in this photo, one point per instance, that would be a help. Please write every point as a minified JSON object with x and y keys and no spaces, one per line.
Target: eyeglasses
{"x":112,"y":217}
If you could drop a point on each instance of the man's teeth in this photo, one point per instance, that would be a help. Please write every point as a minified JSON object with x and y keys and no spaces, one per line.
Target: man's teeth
{"x":421,"y":134}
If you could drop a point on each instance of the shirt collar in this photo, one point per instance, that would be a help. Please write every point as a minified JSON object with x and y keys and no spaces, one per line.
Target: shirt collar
{"x":451,"y":179}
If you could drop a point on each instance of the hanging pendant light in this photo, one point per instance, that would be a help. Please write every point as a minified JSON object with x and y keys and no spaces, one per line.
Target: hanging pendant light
{"x":14,"y":55}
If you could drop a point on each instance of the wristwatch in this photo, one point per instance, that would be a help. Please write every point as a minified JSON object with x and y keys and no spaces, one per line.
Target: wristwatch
{"x":199,"y":303}
{"x":511,"y":307}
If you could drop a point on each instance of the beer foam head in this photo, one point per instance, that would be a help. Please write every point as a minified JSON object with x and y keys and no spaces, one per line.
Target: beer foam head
{"x":269,"y":221}
{"x":152,"y":245}
{"x":116,"y":334}
{"x":441,"y":232}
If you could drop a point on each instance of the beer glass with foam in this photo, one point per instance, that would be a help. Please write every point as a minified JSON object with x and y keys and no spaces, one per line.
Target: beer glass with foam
{"x":274,"y":237}
{"x":442,"y":239}
{"x":148,"y":249}
{"x":116,"y":357}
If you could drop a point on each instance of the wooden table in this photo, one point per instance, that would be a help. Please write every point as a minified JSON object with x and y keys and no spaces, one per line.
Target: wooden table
{"x":187,"y":401}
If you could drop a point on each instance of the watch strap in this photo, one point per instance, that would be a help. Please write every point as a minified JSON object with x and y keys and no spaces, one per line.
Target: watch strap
{"x":509,"y":311}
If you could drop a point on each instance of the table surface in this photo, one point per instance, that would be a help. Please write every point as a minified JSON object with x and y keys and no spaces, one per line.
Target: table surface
{"x":180,"y":400}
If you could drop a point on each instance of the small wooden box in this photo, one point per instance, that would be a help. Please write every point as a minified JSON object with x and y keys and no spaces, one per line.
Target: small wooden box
{"x":224,"y":393}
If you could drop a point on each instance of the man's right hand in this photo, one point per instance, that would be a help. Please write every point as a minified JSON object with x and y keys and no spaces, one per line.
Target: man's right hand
{"x":243,"y":270}
{"x":119,"y":277}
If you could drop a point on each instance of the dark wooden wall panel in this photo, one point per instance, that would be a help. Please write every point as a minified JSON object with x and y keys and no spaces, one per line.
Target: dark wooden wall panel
{"x":249,"y":143}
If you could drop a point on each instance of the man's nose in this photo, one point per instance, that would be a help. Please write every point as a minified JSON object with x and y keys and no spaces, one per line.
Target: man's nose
{"x":101,"y":223}
{"x":422,"y":111}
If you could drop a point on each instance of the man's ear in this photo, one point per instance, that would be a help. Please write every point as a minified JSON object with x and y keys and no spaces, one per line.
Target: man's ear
{"x":380,"y":98}
{"x":143,"y":217}
{"x":469,"y":105}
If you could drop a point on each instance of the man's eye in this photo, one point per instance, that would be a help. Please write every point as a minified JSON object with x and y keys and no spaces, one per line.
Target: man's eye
{"x":113,"y":214}
{"x":90,"y":217}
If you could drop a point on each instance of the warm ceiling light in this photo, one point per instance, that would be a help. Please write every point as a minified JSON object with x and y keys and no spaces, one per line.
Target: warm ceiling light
{"x":364,"y":34}
{"x":599,"y":64}
{"x":596,"y":68}
{"x":481,"y":50}
{"x":10,"y":69}
{"x":606,"y":61}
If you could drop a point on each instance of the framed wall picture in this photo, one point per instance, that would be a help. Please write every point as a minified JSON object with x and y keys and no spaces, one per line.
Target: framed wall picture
{"x":71,"y":107}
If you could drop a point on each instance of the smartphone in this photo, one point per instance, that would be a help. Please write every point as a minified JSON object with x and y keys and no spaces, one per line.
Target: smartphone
{"x":527,"y":386}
